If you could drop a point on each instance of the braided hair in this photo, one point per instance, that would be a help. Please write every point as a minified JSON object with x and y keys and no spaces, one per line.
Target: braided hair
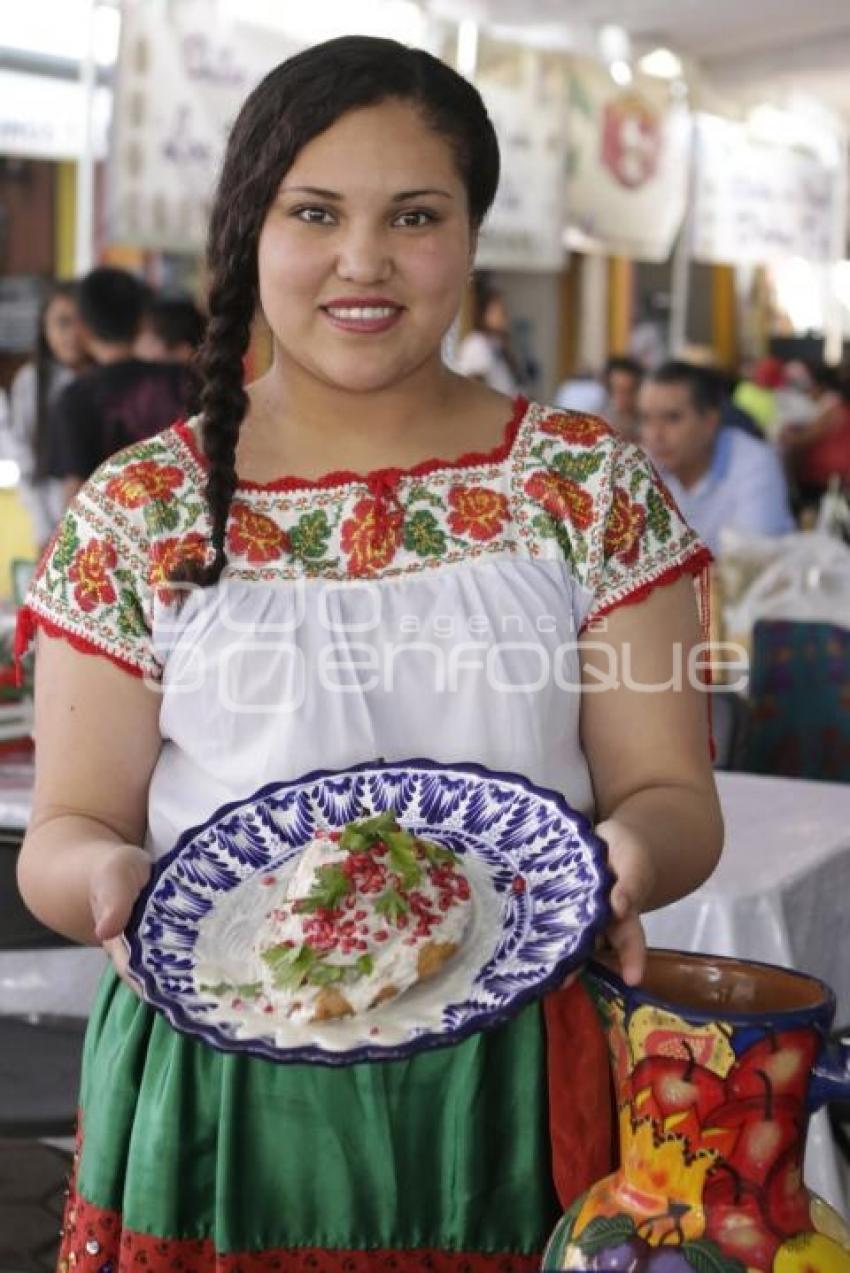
{"x":298,"y":100}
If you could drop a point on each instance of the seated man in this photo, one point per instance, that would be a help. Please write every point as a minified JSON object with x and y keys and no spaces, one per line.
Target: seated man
{"x":719,"y":476}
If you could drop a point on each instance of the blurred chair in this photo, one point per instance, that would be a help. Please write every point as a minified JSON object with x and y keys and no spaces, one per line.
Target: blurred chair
{"x":730,"y":725}
{"x":39,"y":1076}
{"x":799,"y":701}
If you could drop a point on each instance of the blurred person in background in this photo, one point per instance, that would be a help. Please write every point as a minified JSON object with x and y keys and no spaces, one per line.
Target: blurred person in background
{"x":623,"y":378}
{"x":756,"y":392}
{"x":485,"y":353}
{"x":719,"y":476}
{"x":58,"y":359}
{"x":123,"y":399}
{"x":583,"y":392}
{"x":818,"y":450}
{"x":172,"y":330}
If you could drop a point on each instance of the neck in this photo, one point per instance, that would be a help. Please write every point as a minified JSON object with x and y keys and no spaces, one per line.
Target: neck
{"x":295,"y":418}
{"x":692,"y":473}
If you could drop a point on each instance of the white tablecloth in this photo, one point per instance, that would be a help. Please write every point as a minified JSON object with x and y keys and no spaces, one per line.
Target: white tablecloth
{"x":781,"y":894}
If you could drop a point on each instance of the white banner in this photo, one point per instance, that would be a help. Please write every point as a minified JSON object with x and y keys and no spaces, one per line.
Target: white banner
{"x":526,"y":97}
{"x":629,"y":164}
{"x":183,"y":73}
{"x":757,"y":201}
{"x":45,"y":118}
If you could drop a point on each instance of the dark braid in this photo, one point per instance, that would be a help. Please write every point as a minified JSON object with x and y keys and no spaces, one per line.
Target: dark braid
{"x":296,"y":102}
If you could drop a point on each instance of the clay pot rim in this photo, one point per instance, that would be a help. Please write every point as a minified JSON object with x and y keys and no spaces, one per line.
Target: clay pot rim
{"x":820,"y":1009}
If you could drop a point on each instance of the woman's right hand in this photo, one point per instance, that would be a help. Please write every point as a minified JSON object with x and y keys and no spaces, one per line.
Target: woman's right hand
{"x":115,"y":884}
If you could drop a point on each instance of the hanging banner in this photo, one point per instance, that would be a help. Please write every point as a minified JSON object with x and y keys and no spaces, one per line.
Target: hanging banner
{"x":629,"y":151}
{"x":525,"y":93}
{"x":757,"y":201}
{"x":183,"y":73}
{"x":45,"y":118}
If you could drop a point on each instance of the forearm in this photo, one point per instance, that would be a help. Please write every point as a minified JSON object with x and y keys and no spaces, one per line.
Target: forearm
{"x":680,"y":829}
{"x":55,"y":868}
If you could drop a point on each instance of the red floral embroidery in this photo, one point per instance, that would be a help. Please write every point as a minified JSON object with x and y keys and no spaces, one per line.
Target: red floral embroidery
{"x":88,"y":571}
{"x":167,"y":554}
{"x":144,"y":482}
{"x":371,"y":535}
{"x":477,"y":511}
{"x":255,"y":535}
{"x":624,"y":528}
{"x":562,"y":498}
{"x":582,"y":430}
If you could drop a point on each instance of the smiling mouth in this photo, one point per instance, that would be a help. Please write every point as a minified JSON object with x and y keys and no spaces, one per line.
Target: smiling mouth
{"x":361,"y":313}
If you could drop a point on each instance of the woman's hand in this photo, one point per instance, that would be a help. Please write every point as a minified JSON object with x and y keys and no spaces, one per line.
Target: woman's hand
{"x":115,"y":884}
{"x":633,"y":886}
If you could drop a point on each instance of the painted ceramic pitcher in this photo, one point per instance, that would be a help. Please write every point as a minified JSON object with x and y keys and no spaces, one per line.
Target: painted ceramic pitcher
{"x":717,"y":1064}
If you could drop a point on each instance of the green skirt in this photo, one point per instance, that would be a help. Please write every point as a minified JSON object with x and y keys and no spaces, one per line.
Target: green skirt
{"x":195,"y":1159}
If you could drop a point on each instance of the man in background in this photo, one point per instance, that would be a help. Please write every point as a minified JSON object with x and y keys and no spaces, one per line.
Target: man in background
{"x":720,"y":477}
{"x":122,"y":399}
{"x":623,"y":378}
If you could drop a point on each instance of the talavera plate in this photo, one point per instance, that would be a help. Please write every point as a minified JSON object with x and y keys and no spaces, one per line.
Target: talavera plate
{"x":537,"y":872}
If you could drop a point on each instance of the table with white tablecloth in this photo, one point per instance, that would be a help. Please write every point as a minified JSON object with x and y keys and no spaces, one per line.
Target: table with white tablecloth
{"x":781,"y":894}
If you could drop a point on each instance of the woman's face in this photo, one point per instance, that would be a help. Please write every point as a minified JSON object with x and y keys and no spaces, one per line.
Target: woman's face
{"x":364,"y":253}
{"x":62,"y":331}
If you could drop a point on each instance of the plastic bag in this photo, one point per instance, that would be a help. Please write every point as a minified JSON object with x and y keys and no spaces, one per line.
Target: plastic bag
{"x":807,"y":579}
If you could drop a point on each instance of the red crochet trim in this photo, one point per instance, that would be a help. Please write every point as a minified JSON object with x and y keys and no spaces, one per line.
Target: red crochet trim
{"x":28,"y":623}
{"x":699,"y":560}
{"x":345,"y":477}
{"x":98,"y":1243}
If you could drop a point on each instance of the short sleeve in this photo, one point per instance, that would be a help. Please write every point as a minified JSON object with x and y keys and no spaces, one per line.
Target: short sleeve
{"x":605,"y":507}
{"x":643,"y":539}
{"x":94,"y":584}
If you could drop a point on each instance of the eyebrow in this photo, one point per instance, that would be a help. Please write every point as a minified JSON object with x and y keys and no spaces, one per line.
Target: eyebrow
{"x":402,"y":197}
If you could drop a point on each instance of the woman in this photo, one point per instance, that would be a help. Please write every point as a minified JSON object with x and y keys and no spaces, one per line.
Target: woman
{"x":355,"y":181}
{"x":59,"y":356}
{"x":485,"y":352}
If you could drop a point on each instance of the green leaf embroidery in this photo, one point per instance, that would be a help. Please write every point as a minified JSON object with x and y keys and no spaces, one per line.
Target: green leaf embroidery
{"x":578,"y":466}
{"x":310,"y":534}
{"x":545,"y":525}
{"x":563,"y":537}
{"x":66,"y":545}
{"x":706,"y":1257}
{"x":421,"y":493}
{"x":161,"y":515}
{"x":365,"y":965}
{"x":391,"y":906}
{"x":658,"y":516}
{"x":423,"y":536}
{"x":131,"y":620}
{"x":331,"y":885}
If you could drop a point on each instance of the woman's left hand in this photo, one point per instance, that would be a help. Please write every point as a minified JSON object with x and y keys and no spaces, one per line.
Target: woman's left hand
{"x":633,"y":886}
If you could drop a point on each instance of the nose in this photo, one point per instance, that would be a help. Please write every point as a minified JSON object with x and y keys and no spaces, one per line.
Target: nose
{"x":364,"y":256}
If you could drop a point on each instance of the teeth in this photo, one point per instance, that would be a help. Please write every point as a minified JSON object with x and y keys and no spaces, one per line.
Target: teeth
{"x":363,"y":314}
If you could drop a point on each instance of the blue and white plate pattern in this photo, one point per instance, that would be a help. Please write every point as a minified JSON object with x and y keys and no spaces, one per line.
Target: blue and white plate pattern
{"x":537,"y":872}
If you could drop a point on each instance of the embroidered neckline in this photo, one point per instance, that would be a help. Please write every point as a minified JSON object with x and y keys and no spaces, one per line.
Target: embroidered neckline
{"x":503,"y":450}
